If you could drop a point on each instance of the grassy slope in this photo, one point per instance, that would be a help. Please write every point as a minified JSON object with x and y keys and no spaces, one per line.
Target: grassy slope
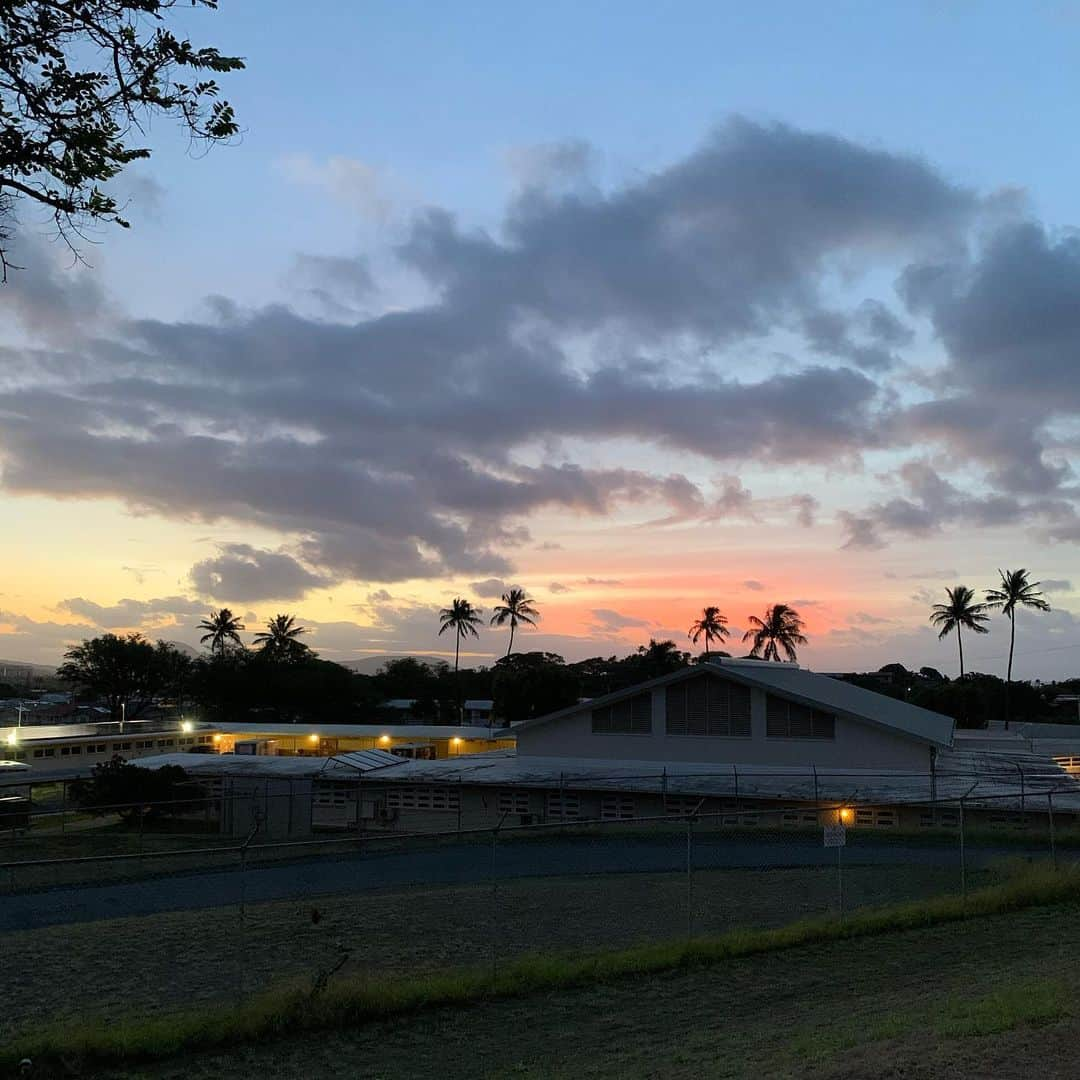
{"x":184,"y":958}
{"x":911,"y":1004}
{"x":755,"y":1003}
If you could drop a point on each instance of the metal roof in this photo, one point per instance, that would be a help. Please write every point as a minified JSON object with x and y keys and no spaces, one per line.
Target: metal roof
{"x":806,"y":687}
{"x":987,"y":779}
{"x":360,"y":731}
{"x":843,"y":697}
{"x":1005,"y":781}
{"x":366,"y":760}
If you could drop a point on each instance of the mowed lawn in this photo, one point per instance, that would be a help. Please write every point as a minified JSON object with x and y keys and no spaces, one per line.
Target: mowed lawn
{"x":993,"y":997}
{"x":162,"y":963}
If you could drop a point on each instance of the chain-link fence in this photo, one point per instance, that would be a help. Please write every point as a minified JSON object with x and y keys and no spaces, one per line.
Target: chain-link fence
{"x":151,"y":907}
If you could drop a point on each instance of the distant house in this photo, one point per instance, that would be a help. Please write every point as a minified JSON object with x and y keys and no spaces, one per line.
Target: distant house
{"x":738,"y":712}
{"x":477,"y":711}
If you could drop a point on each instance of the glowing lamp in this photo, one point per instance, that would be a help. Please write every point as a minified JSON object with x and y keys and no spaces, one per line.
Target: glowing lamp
{"x":847,"y":815}
{"x":313,"y":738}
{"x":186,"y":725}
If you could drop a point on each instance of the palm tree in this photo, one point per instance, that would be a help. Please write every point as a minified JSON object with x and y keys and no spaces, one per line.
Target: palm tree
{"x":961,"y":612}
{"x":463,"y":619}
{"x":780,"y":629}
{"x":711,"y":624}
{"x":1016,"y":591}
{"x":516,"y":607}
{"x":281,"y":639}
{"x":221,"y":628}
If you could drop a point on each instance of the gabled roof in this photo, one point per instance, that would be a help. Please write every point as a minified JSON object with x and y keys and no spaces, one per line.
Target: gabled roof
{"x":806,"y":687}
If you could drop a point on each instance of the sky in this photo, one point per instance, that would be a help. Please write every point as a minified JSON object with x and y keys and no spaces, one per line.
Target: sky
{"x":641,"y":307}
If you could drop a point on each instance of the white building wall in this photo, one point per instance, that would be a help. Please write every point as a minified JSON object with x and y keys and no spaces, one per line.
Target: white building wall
{"x":856,"y":745}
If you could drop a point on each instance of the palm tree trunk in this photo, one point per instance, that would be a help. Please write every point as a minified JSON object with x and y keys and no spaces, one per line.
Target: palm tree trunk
{"x":1008,"y":677}
{"x":457,"y":676}
{"x":960,"y":642}
{"x":511,"y":645}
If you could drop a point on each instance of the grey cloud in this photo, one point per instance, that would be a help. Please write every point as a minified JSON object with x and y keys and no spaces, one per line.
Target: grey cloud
{"x":932,"y":502}
{"x":546,"y":165}
{"x":384,"y":448}
{"x":1011,"y":318}
{"x":753,"y":586}
{"x":489,"y":587}
{"x":1056,"y":585}
{"x":922,"y":575}
{"x":607,"y":621}
{"x":558,"y":588}
{"x":50,"y":296}
{"x":838,"y":334}
{"x":240,"y":572}
{"x":133,"y":613}
{"x":806,"y":509}
{"x":721,"y":242}
{"x":601,"y":581}
{"x":338,"y":282}
{"x":36,"y":641}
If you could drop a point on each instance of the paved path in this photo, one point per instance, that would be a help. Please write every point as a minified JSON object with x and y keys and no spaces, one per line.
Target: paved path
{"x":445,"y":866}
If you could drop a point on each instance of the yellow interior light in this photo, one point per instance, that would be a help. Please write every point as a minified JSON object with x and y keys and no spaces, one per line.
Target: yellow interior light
{"x":847,"y":815}
{"x":313,"y":738}
{"x":384,"y":738}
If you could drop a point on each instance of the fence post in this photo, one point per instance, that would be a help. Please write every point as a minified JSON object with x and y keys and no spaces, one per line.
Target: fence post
{"x":840,"y":878}
{"x":963,"y":854}
{"x":493,"y":920}
{"x":689,"y":876}
{"x":815,"y":783}
{"x":459,"y":793}
{"x":63,"y":806}
{"x":1053,"y":840}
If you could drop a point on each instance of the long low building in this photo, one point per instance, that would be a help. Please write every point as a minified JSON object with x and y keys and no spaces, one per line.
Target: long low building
{"x":382,"y":792}
{"x":406,"y":740}
{"x":75,"y":748}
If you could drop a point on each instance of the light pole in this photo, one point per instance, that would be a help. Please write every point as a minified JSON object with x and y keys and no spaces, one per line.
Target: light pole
{"x":123,"y":715}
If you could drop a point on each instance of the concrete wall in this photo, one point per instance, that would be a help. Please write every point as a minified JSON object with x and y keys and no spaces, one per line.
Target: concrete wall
{"x":856,"y":745}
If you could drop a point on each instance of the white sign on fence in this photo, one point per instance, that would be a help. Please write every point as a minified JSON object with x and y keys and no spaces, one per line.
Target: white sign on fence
{"x":834,"y":835}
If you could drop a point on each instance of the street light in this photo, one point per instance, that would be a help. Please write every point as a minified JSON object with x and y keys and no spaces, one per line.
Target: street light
{"x":123,"y":715}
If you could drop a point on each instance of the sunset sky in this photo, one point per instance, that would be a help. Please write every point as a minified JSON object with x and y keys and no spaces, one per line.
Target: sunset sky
{"x":640,"y":307}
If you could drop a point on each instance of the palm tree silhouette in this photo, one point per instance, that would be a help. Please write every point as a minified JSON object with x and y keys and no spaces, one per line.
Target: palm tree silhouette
{"x":711,"y":624}
{"x":961,"y":612}
{"x":281,"y":639}
{"x":780,"y":629}
{"x":463,"y":619}
{"x":516,"y":607}
{"x":221,"y":628}
{"x":1016,"y":591}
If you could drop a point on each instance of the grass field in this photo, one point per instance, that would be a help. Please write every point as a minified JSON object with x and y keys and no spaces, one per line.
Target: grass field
{"x":995,"y":996}
{"x":160,"y":963}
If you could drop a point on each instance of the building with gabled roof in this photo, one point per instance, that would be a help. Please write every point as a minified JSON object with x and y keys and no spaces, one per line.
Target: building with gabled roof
{"x":744,"y":712}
